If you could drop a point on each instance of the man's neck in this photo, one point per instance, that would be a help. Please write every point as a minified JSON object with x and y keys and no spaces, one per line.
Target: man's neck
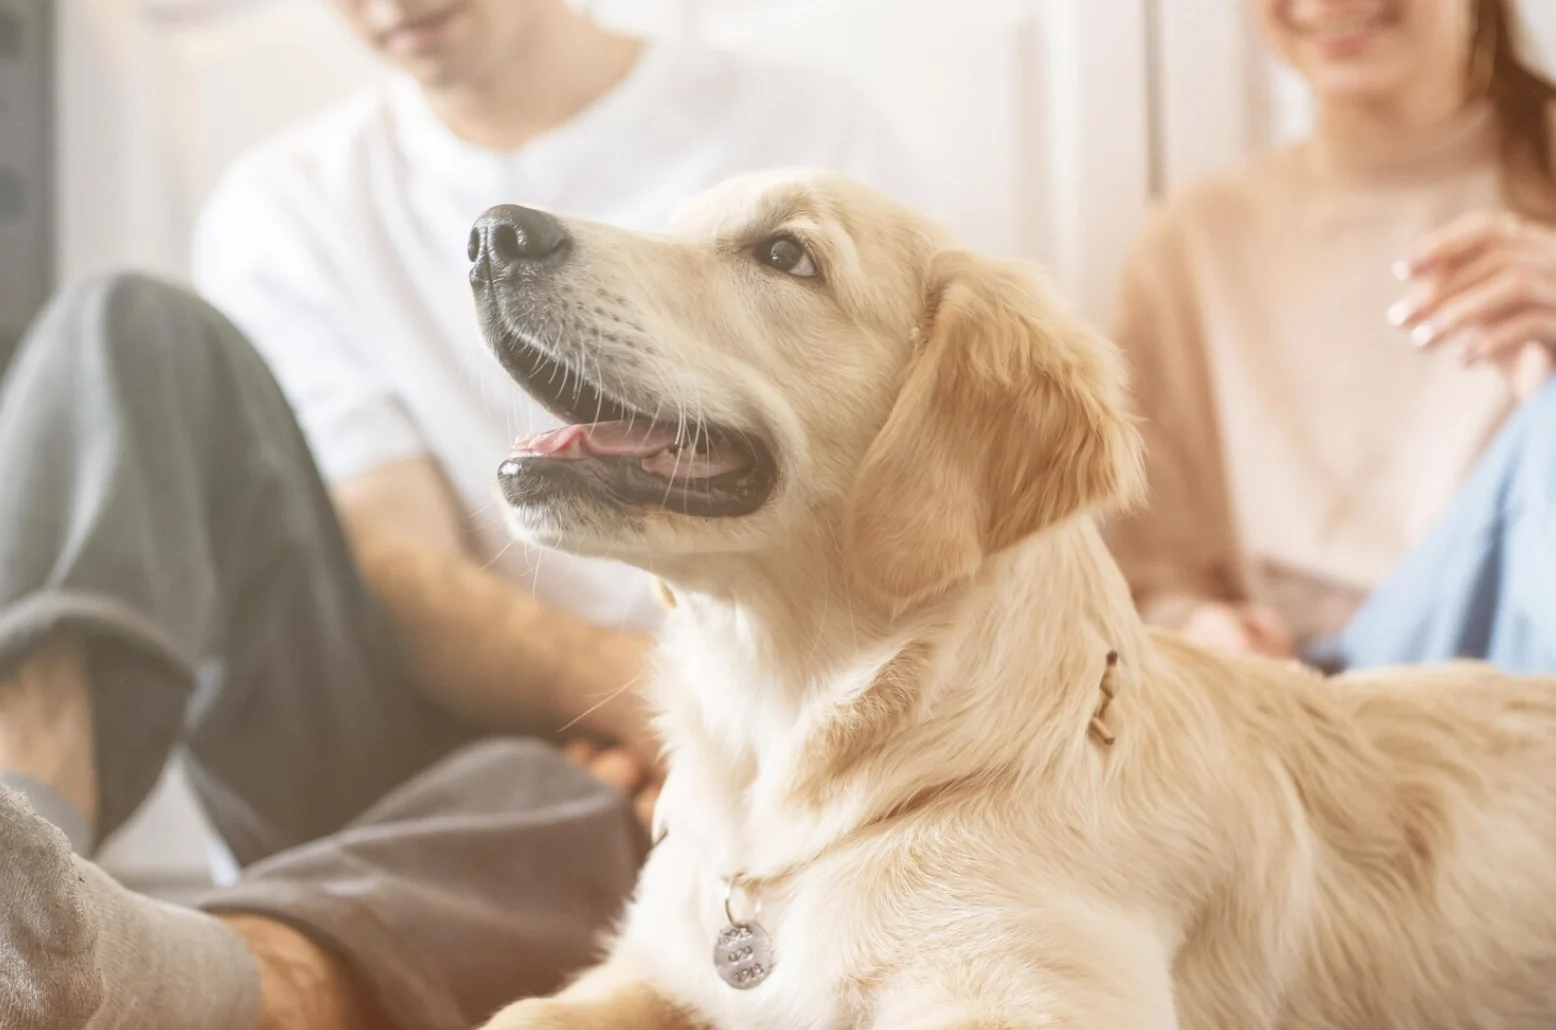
{"x":564,"y":68}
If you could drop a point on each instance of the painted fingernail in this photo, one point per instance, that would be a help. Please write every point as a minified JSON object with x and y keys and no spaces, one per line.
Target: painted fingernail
{"x":1402,"y":271}
{"x":1423,"y":334}
{"x":1400,"y":311}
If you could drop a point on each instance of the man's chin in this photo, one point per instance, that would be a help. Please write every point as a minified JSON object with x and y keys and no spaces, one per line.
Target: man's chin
{"x":434,"y":73}
{"x":445,"y":68}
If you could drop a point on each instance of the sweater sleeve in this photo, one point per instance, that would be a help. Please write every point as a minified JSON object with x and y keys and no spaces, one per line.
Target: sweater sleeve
{"x":1181,"y":549}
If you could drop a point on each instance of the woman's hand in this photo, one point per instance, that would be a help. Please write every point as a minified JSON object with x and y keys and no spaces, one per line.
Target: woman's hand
{"x":1485,"y":285}
{"x":1248,"y":628}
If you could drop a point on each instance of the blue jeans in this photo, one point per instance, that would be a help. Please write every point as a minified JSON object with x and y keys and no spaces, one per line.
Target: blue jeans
{"x":1483,"y":584}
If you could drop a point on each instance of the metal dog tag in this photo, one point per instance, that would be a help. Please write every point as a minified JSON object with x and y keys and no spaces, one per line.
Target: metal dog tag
{"x":743,"y":955}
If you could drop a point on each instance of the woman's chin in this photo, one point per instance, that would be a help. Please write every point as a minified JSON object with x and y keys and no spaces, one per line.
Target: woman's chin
{"x":1354,"y":81}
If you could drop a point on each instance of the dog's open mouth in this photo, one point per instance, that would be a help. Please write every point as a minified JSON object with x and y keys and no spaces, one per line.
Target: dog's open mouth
{"x":632,"y":456}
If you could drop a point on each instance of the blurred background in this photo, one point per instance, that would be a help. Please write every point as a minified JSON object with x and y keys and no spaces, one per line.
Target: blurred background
{"x":1043,"y":127}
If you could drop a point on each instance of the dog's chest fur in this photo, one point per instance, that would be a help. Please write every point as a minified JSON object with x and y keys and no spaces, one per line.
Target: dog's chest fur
{"x":680,"y":909}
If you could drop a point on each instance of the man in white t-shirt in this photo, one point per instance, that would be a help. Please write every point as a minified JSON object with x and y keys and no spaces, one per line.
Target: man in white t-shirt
{"x":327,"y":650}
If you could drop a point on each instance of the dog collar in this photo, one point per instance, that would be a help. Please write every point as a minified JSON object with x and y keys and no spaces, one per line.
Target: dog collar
{"x":1097,"y":729}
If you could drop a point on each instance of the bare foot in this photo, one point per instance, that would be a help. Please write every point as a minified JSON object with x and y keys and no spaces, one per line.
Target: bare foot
{"x":46,"y":724}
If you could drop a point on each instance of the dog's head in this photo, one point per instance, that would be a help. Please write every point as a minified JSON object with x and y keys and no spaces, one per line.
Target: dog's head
{"x":796,"y":356}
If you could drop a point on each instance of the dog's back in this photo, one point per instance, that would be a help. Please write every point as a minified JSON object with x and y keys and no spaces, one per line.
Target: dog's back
{"x":1408,"y":868}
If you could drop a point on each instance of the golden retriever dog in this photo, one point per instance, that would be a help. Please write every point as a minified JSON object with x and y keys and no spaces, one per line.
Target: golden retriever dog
{"x":927,"y":768}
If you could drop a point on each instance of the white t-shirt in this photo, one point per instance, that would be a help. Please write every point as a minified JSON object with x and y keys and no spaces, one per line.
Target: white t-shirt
{"x":339,"y":248}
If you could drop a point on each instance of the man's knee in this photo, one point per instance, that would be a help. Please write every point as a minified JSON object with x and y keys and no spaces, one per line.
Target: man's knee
{"x":113,"y":296}
{"x":124,"y":314}
{"x":133,"y":342}
{"x":132,"y":310}
{"x":121,"y":289}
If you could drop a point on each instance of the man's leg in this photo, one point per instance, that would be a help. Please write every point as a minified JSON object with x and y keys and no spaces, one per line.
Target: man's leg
{"x":161,"y":508}
{"x":485,"y":879}
{"x":171,"y":567}
{"x":488,"y":878}
{"x":1483,"y":585}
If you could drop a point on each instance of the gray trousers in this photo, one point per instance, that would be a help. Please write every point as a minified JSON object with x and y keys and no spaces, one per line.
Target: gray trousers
{"x":157,"y":498}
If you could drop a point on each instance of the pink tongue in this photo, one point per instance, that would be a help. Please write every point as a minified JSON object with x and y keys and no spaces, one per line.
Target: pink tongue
{"x":600,"y":439}
{"x":655,"y":444}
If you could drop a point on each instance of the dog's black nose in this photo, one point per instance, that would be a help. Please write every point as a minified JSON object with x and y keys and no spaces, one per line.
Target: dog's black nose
{"x":509,"y":238}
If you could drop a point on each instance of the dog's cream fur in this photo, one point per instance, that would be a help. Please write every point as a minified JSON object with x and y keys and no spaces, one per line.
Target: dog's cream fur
{"x":877,"y":690}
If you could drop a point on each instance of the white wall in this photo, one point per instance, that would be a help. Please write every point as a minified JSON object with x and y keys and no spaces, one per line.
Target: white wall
{"x":156,"y":96}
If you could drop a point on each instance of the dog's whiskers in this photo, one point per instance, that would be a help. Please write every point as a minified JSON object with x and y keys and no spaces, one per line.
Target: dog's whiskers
{"x":599,"y":395}
{"x":492,"y":562}
{"x":613,"y":695}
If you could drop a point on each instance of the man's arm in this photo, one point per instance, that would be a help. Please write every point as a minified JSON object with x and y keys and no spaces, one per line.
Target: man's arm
{"x":476,"y":644}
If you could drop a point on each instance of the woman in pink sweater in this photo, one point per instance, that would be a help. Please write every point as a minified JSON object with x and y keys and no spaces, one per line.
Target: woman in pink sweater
{"x":1342,"y":352}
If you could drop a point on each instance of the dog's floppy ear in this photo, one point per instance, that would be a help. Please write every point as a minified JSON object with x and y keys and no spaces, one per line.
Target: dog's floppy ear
{"x":1011,"y":418}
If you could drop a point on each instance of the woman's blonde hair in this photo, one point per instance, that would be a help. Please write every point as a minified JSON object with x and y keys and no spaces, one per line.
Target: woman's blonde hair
{"x":1522,"y":97}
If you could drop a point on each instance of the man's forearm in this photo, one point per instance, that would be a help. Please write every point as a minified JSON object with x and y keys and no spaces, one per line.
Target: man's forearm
{"x":493,"y":654}
{"x":477,"y":644}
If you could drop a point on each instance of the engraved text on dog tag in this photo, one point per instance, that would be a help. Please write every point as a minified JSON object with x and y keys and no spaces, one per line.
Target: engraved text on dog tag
{"x":743,"y":955}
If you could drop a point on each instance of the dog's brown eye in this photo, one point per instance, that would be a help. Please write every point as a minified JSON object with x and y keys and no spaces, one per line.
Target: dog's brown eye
{"x":787,"y":255}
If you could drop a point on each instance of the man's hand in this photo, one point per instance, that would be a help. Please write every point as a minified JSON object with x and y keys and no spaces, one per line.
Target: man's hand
{"x":621,"y":769}
{"x":1248,"y":628}
{"x":476,"y":644}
